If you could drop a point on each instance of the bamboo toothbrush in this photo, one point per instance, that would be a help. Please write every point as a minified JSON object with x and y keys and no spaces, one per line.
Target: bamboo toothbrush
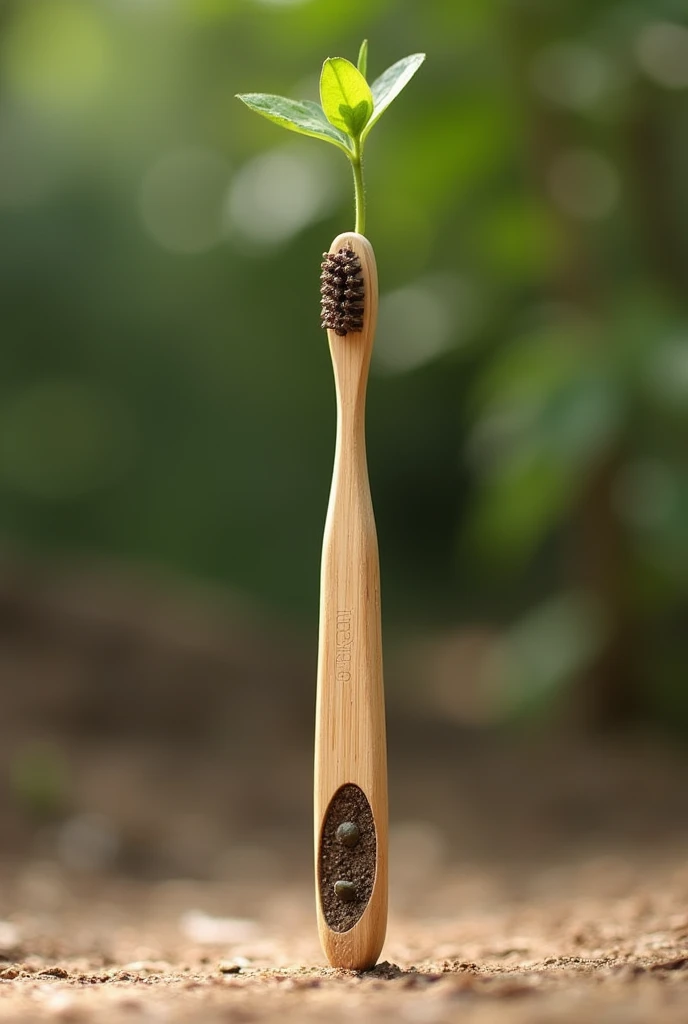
{"x":350,"y":746}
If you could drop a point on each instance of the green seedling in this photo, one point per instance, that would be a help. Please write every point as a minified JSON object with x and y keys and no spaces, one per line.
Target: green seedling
{"x":348,"y":109}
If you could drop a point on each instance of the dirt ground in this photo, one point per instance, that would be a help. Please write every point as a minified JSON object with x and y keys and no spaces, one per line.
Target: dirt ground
{"x":605,"y":940}
{"x":155,"y":839}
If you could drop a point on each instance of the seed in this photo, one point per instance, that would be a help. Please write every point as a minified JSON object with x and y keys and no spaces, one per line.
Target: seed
{"x":348,"y":833}
{"x":345,"y":891}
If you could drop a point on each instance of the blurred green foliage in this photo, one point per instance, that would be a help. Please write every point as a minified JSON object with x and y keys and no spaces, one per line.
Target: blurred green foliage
{"x":166,"y":395}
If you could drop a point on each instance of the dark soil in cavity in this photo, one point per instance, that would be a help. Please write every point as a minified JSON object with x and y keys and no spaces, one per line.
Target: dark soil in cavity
{"x":341,"y":863}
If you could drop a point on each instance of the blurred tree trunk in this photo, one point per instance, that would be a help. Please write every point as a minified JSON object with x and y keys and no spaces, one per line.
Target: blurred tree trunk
{"x":607,"y":695}
{"x":656,"y":194}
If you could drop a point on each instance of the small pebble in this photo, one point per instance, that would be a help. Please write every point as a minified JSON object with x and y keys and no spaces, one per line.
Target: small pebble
{"x":348,"y":833}
{"x":345,"y":891}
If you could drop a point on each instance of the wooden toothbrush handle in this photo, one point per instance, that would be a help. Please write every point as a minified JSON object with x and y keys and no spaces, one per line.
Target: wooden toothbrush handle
{"x":351,"y":814}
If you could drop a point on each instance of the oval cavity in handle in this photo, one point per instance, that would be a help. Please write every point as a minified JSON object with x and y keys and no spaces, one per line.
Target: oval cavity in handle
{"x":346,"y":869}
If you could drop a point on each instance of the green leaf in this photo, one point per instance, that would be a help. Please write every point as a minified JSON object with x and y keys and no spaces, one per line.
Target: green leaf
{"x":390,"y":83}
{"x":306,"y":118}
{"x":345,"y":95}
{"x":362,"y":63}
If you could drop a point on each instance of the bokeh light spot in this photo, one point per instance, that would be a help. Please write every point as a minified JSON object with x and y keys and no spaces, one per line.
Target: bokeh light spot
{"x":277,"y":194}
{"x":662,"y":52}
{"x":419,"y":322}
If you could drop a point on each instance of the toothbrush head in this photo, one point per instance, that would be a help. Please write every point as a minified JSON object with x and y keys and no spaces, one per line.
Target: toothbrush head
{"x":342,"y":292}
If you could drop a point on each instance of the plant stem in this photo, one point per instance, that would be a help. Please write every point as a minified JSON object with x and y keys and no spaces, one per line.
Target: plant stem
{"x":357,"y":165}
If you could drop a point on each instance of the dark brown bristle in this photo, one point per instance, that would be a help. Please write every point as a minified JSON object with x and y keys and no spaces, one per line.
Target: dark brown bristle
{"x":342,"y":292}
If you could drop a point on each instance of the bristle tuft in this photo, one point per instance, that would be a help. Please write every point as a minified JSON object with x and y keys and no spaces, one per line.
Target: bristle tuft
{"x":342,"y":292}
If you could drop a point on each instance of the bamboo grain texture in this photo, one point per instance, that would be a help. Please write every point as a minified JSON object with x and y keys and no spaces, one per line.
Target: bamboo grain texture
{"x":350,"y":741}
